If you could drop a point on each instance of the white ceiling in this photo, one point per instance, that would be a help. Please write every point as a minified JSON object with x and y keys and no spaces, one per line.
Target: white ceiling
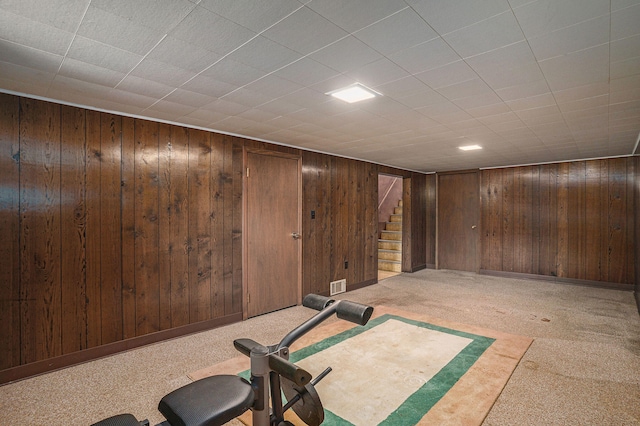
{"x":530,"y":81}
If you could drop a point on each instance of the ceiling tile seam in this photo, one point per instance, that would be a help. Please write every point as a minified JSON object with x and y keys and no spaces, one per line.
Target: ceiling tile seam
{"x":75,"y":34}
{"x":526,"y":39}
{"x":230,"y":53}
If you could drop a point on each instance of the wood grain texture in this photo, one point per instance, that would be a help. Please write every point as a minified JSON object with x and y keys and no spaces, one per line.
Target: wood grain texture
{"x":10,"y":271}
{"x":458,"y":220}
{"x":111,"y":224}
{"x":40,"y":245}
{"x":570,"y":220}
{"x":146,"y":228}
{"x":73,"y":230}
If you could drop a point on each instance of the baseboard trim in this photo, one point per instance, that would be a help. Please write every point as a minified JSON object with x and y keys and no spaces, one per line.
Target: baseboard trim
{"x":48,"y":365}
{"x":362,"y":284}
{"x":560,"y":280}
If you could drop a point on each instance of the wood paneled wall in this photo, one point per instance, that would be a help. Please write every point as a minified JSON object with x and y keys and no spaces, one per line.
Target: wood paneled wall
{"x":112,"y":228}
{"x":117,"y":229}
{"x":343,"y":194}
{"x":571,"y":220}
{"x":636,"y":191}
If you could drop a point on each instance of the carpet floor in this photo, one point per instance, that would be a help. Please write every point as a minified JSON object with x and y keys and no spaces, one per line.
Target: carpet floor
{"x":583,"y":367}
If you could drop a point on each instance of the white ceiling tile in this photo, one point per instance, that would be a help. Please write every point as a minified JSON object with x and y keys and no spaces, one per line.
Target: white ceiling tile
{"x":306,"y":71}
{"x":157,"y":14}
{"x":397,"y":32}
{"x":624,"y":22}
{"x":431,"y":54}
{"x":247,"y":97}
{"x":142,"y":86}
{"x":305,"y":31}
{"x":581,"y":92}
{"x":28,"y":57}
{"x":537,"y":101}
{"x":183,"y":55}
{"x":264,"y":54}
{"x":162,"y":73}
{"x":501,"y":117}
{"x":19,"y":76}
{"x":102,"y":55}
{"x":208,"y":86}
{"x":62,"y":84}
{"x":509,"y":66}
{"x":570,"y":39}
{"x":209,"y":31}
{"x":62,"y":14}
{"x":472,"y":104}
{"x":377,"y":73}
{"x":90,"y":73}
{"x":465,"y":89}
{"x":21,"y":30}
{"x":257,"y":16}
{"x":119,"y":32}
{"x":625,"y":48}
{"x":543,"y":16}
{"x":621,"y":4}
{"x":346,"y":54}
{"x":173,"y":108}
{"x":400,"y":88}
{"x":273,"y":86}
{"x":455,"y":72}
{"x":534,"y":88}
{"x":490,"y":34}
{"x":356,"y":14}
{"x":626,"y":68}
{"x":560,"y":72}
{"x":489,"y":110}
{"x":584,"y":103}
{"x":126,"y":97}
{"x":232,"y":72}
{"x":422,"y":99}
{"x":224,"y":106}
{"x":446,"y":16}
{"x":187,"y":97}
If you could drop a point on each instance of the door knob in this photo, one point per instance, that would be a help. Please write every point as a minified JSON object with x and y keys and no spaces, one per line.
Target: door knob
{"x":473,"y":227}
{"x":295,"y":235}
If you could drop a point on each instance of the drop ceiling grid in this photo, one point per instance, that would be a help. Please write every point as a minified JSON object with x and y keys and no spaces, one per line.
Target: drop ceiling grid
{"x":465,"y":69}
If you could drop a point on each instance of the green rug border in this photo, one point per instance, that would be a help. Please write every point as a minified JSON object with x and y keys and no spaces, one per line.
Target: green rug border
{"x":422,"y":400}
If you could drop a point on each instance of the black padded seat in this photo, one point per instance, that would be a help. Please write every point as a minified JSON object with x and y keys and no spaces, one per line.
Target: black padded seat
{"x":207,"y":402}
{"x":121,"y":420}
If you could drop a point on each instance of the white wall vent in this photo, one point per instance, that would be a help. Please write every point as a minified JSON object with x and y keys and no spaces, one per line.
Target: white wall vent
{"x":336,"y":287}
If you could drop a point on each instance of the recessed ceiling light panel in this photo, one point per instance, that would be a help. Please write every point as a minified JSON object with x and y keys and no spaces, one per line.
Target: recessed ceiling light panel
{"x":354,"y":93}
{"x":470,"y":147}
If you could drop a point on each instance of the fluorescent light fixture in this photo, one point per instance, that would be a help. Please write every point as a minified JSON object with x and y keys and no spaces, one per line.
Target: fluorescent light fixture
{"x":354,"y":93}
{"x":470,"y":147}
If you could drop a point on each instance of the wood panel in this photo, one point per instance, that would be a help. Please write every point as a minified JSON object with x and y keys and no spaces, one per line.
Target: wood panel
{"x":118,"y":227}
{"x":10,"y":327}
{"x":430,"y":220}
{"x":73,"y":230}
{"x":127,"y":194}
{"x":110,"y":219}
{"x":174,"y":226}
{"x":636,"y":219}
{"x":40,"y":244}
{"x":200,"y":225}
{"x":570,"y":220}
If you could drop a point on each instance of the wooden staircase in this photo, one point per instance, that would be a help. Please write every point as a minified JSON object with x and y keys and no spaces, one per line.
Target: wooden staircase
{"x":390,"y":243}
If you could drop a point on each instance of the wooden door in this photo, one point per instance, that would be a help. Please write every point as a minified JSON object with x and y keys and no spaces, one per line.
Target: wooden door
{"x":458,"y":220}
{"x":272,"y":225}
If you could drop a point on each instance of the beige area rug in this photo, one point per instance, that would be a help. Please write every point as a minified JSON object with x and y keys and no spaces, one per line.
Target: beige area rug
{"x":401,"y":368}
